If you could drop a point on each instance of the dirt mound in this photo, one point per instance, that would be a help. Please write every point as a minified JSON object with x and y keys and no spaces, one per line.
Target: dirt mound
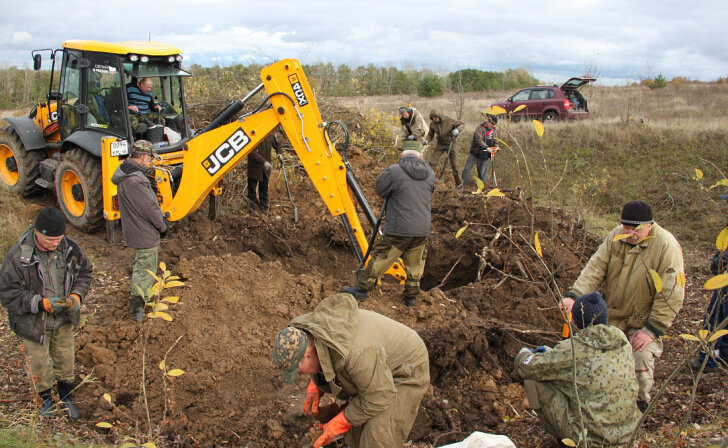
{"x":246,"y":275}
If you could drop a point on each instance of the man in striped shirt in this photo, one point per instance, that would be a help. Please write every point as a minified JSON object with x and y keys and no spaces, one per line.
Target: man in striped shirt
{"x":141,"y":102}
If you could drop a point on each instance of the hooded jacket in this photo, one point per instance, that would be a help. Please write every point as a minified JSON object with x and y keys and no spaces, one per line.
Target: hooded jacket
{"x":22,"y":284}
{"x":605,"y":381}
{"x":443,"y":129}
{"x":414,"y":125}
{"x":408,"y":185}
{"x":141,"y":217}
{"x":364,"y":355}
{"x":483,"y":138}
{"x":629,"y":288}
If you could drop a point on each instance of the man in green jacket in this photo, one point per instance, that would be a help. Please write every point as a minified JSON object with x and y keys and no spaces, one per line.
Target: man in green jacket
{"x":380,"y":367}
{"x":43,"y":280}
{"x":605,"y":382}
{"x":625,"y":264}
{"x":446,"y":129}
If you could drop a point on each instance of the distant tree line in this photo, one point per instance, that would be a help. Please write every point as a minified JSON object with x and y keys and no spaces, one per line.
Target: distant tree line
{"x":23,"y":87}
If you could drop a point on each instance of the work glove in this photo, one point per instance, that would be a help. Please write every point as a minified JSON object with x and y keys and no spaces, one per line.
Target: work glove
{"x":539,"y":349}
{"x":165,"y":232}
{"x":54,"y":305}
{"x":424,"y":142}
{"x":74,"y":303}
{"x":455,"y":132}
{"x":311,"y":402}
{"x":337,"y":425}
{"x":267,"y":167}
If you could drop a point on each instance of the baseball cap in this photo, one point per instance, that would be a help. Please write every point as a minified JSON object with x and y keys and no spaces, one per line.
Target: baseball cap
{"x":288,"y":351}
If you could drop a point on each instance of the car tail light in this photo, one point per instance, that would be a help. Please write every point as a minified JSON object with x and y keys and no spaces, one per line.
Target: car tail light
{"x":567,"y":104}
{"x":115,"y":202}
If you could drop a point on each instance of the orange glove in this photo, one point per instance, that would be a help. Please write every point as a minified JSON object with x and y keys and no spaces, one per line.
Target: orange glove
{"x":337,"y":425}
{"x":54,"y":304}
{"x":74,"y":301}
{"x":311,"y":402}
{"x":565,"y":331}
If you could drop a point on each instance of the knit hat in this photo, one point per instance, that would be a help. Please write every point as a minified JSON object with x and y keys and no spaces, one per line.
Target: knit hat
{"x":288,"y":351}
{"x":411,"y":143}
{"x":590,"y":309}
{"x":50,"y":222}
{"x":404,"y":109}
{"x":635,"y":213}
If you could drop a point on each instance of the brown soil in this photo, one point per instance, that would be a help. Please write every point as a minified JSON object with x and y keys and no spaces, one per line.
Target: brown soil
{"x":246,"y":275}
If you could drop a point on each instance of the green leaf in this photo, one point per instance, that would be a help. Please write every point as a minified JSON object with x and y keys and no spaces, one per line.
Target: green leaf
{"x":175,"y":372}
{"x":539,"y":127}
{"x":657,"y":280}
{"x":104,"y":425}
{"x":722,"y":241}
{"x":717,"y":282}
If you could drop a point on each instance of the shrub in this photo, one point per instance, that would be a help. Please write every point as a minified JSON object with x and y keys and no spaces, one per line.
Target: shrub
{"x":429,"y":86}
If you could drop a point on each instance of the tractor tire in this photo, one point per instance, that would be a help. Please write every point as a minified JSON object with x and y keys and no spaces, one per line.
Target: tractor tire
{"x":78,"y":188}
{"x":551,"y":115}
{"x":18,"y":167}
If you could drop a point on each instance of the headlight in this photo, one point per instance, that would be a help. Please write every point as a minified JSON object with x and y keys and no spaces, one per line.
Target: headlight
{"x":133,"y":57}
{"x":145,"y":59}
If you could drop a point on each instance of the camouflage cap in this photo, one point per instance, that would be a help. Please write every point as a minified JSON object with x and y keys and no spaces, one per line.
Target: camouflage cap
{"x":288,"y":351}
{"x":411,"y":144}
{"x":143,"y":146}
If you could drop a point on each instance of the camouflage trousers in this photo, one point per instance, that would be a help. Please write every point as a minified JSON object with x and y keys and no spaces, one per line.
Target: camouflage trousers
{"x":552,"y":408}
{"x":644,"y":365}
{"x":391,"y":427}
{"x":387,"y":250}
{"x":55,"y":357}
{"x":152,"y":116}
{"x":144,"y":259}
{"x":434,"y":155}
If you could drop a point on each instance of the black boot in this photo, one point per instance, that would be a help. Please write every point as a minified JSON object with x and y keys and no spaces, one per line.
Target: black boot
{"x":66,"y":395}
{"x":356,"y":292}
{"x":46,"y":409}
{"x":137,"y":308}
{"x":410,"y":301}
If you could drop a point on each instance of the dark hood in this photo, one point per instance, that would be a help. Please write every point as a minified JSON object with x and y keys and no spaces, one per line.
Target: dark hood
{"x":434,"y":113}
{"x":415,"y":167}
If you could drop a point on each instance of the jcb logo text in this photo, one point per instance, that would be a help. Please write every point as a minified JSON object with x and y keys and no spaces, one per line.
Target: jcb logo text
{"x":226,"y":151}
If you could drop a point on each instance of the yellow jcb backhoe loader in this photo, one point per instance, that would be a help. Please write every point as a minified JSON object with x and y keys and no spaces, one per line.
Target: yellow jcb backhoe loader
{"x":74,"y":141}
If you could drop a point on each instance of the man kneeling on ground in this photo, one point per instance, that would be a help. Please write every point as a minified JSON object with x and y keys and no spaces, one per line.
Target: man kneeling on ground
{"x":605,"y":379}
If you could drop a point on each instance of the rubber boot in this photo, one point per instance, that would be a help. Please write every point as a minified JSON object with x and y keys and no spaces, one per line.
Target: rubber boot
{"x":137,"y":308}
{"x":66,"y":395}
{"x":410,"y":301}
{"x":356,"y":292}
{"x":46,"y":408}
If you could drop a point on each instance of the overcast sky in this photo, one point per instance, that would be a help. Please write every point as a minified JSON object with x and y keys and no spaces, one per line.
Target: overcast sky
{"x":621,"y":40}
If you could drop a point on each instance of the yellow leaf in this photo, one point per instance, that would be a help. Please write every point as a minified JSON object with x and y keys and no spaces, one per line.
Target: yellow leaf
{"x":656,"y":278}
{"x":680,"y":277}
{"x":495,"y":110}
{"x":127,"y":445}
{"x":689,"y":337}
{"x":162,"y":266}
{"x":495,"y":192}
{"x":718,"y":334}
{"x":104,"y":425}
{"x":621,"y":236}
{"x":703,"y":334}
{"x":172,"y":277}
{"x":720,"y":183}
{"x":154,"y":274}
{"x":722,"y":241}
{"x":717,"y":282}
{"x":139,"y":290}
{"x":539,"y":127}
{"x":173,"y":284}
{"x":643,"y":225}
{"x":162,"y":307}
{"x":698,"y":174}
{"x":164,"y":316}
{"x":154,"y":290}
{"x":161,"y":365}
{"x":149,"y":445}
{"x":568,"y":442}
{"x":175,"y":372}
{"x":480,"y":184}
{"x":537,"y":243}
{"x":522,"y":106}
{"x":152,"y":315}
{"x":461,"y":230}
{"x":172,"y":299}
{"x":107,"y":397}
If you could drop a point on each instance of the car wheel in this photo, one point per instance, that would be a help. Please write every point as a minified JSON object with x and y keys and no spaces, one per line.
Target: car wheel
{"x":550,"y":115}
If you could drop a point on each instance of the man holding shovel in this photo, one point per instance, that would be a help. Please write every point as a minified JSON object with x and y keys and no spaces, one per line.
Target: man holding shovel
{"x":408,"y":187}
{"x":447,"y":131}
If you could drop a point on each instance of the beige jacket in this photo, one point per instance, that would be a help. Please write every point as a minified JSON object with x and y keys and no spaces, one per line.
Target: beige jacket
{"x":629,"y":289}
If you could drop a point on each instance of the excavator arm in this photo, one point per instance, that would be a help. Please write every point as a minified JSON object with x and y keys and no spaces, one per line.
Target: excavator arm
{"x":210,"y":155}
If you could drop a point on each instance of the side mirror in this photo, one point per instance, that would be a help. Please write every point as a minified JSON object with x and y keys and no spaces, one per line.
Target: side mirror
{"x":510,"y":99}
{"x":36,"y":62}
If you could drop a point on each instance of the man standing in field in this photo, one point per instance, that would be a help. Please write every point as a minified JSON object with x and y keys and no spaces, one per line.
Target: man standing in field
{"x":43,"y":280}
{"x":446,"y":129}
{"x":625,"y":263}
{"x":259,"y":170}
{"x":412,"y":123}
{"x":378,"y":366}
{"x":484,"y":138}
{"x":142,"y":221}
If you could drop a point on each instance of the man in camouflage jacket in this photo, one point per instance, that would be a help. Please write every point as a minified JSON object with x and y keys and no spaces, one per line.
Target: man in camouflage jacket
{"x":605,"y":382}
{"x":412,"y":123}
{"x":446,"y":129}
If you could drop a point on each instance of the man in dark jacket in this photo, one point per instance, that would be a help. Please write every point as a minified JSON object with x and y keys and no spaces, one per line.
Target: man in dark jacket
{"x":446,"y":129}
{"x":604,"y":376}
{"x":43,"y":280}
{"x":716,"y":313}
{"x":259,"y":168}
{"x":408,"y":187}
{"x":484,"y":141}
{"x":142,"y":221}
{"x":378,"y":366}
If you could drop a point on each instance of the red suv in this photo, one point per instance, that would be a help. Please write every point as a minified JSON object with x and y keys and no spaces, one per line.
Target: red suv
{"x":549,"y":103}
